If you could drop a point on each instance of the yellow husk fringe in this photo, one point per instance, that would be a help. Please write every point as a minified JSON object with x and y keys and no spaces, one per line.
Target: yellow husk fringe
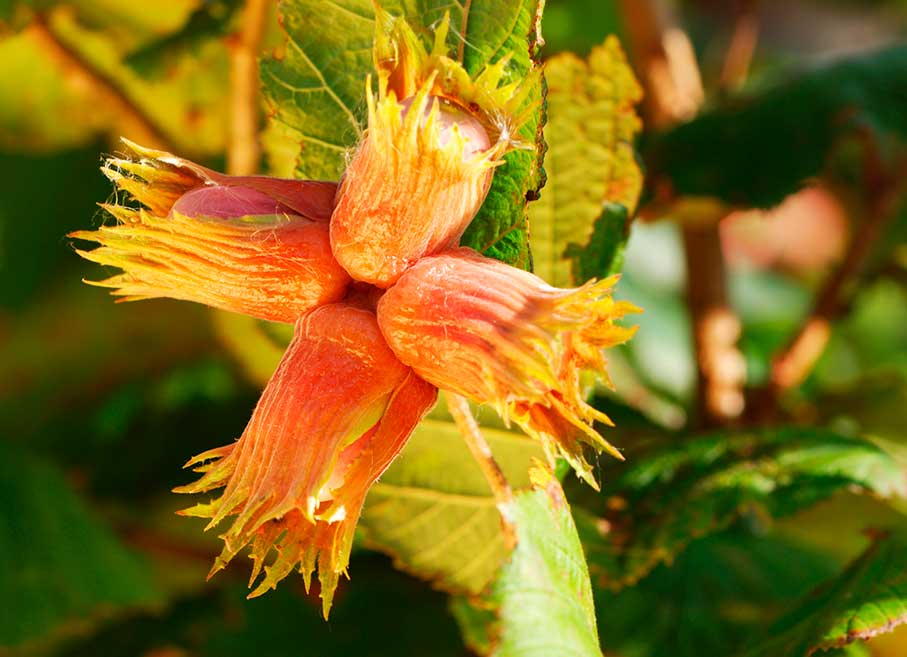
{"x":405,"y":66}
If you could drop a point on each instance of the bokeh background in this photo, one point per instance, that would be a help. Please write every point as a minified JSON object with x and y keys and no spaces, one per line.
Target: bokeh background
{"x":101,"y":404}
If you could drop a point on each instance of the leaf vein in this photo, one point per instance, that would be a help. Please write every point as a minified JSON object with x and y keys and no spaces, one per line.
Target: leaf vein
{"x":346,"y":110}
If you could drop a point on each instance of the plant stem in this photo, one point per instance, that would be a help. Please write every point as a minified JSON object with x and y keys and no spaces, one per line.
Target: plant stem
{"x":481,"y":452}
{"x":795,"y":361}
{"x":243,"y":149}
{"x":136,"y":122}
{"x":464,"y":23}
{"x":670,"y":73}
{"x":742,"y":46}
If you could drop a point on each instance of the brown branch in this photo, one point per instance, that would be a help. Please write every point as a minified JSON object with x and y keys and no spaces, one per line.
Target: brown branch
{"x":742,"y":47}
{"x":795,"y":361}
{"x":481,"y":452}
{"x":464,"y":22}
{"x":670,"y":73}
{"x":141,"y":127}
{"x":721,"y":368}
{"x":243,"y":148}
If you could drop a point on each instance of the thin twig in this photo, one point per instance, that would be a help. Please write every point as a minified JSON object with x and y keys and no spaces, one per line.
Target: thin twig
{"x":481,"y":452}
{"x":243,"y":149}
{"x":721,"y":368}
{"x":795,"y":361}
{"x":464,"y":23}
{"x":670,"y":73}
{"x":141,"y":126}
{"x":742,"y":47}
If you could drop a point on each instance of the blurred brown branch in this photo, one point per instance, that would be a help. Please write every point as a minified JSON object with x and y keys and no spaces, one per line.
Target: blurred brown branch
{"x":481,"y":452}
{"x":137,"y":123}
{"x":795,"y":361}
{"x":467,"y":6}
{"x":667,"y":63}
{"x":742,"y":47}
{"x":243,"y":149}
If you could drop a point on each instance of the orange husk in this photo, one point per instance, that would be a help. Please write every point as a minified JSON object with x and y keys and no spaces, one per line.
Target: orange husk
{"x":498,"y":97}
{"x":502,"y":336}
{"x":158,"y":179}
{"x":435,"y":135}
{"x":274,"y":267}
{"x":336,"y":412}
{"x":407,"y":192}
{"x":248,"y":244}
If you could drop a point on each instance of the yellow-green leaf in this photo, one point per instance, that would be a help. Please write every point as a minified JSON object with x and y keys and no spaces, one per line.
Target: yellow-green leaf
{"x":56,"y":79}
{"x":590,"y":161}
{"x":541,"y":602}
{"x":434,"y":512}
{"x":493,"y":30}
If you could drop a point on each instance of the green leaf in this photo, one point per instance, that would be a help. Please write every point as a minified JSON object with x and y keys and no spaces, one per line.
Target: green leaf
{"x":37,"y":88}
{"x":210,"y":20}
{"x":434,"y":512}
{"x":869,"y":598}
{"x":317,"y":86}
{"x":476,"y":622}
{"x":716,"y":597}
{"x":544,"y":593}
{"x":493,"y":30}
{"x":755,"y":151}
{"x":590,"y":162}
{"x":542,"y":598}
{"x":64,"y":569}
{"x":603,"y":254}
{"x":667,"y":499}
{"x":316,"y":90}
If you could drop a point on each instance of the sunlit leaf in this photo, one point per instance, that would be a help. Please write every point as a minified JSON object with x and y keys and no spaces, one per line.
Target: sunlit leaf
{"x":56,"y":77}
{"x":590,"y":161}
{"x":541,"y":602}
{"x":603,"y":254}
{"x":494,"y":30}
{"x":434,"y":512}
{"x":316,"y":88}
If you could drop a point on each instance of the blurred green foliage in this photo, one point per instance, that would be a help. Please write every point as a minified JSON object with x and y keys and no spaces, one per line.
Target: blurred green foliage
{"x":734,"y":152}
{"x":100,"y":405}
{"x":68,"y":568}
